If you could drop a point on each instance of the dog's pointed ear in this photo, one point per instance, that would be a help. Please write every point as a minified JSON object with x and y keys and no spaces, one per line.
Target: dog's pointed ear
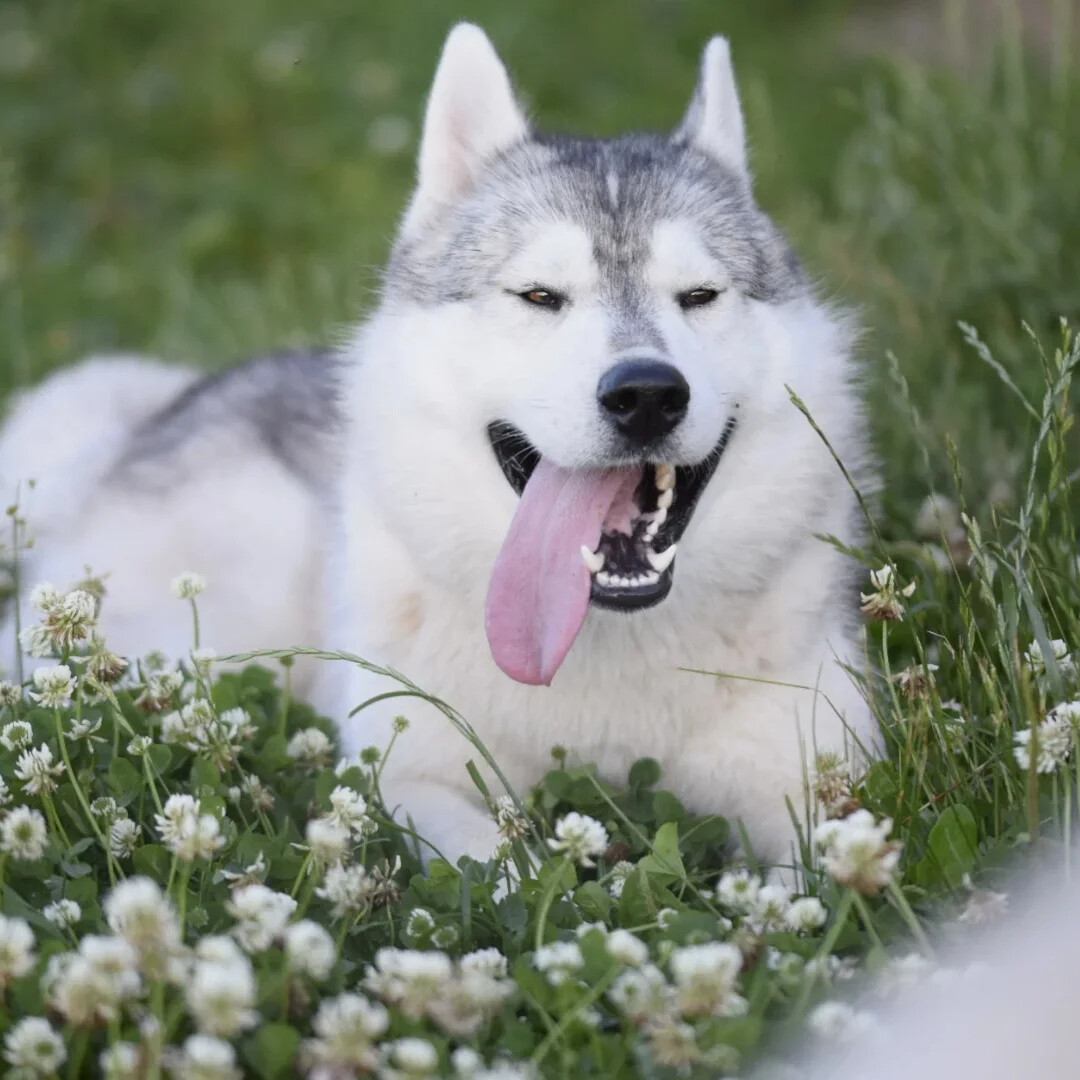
{"x":714,"y":121}
{"x":471,"y":116}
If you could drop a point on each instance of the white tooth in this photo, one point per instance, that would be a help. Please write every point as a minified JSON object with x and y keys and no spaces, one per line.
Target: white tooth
{"x":666,"y":499}
{"x":661,"y":560}
{"x":651,"y":578}
{"x":665,"y":477}
{"x":651,"y":529}
{"x":622,"y":582}
{"x":604,"y":579}
{"x":594,"y":560}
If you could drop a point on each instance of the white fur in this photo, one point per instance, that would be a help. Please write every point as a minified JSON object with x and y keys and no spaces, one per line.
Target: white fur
{"x":714,"y":121}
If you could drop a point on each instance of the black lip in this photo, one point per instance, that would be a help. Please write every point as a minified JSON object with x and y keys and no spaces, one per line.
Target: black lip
{"x":517,"y":458}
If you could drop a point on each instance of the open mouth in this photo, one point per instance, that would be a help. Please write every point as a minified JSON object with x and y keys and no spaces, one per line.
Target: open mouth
{"x":632,"y":567}
{"x":594,"y":535}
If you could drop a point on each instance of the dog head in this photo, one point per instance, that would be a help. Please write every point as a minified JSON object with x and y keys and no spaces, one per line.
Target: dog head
{"x":597,"y":313}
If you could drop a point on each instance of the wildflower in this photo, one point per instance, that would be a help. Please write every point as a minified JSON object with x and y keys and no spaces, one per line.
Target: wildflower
{"x":138,"y":911}
{"x":489,"y":962}
{"x":738,"y":889}
{"x":511,"y":823}
{"x":159,"y":690}
{"x":10,"y":694}
{"x":770,"y":908}
{"x":187,"y":586}
{"x":33,"y":1049}
{"x":984,"y":906}
{"x":63,"y":913}
{"x":916,"y":681}
{"x":381,"y":884}
{"x":346,"y":1028}
{"x":311,"y":746}
{"x":17,"y":735}
{"x":185,"y":832}
{"x":410,"y":1057}
{"x":904,"y":971}
{"x":1055,"y":739}
{"x":139,"y":745}
{"x":121,"y":1061}
{"x":580,"y":837}
{"x":310,"y":950}
{"x":617,"y":878}
{"x":36,"y":770}
{"x":96,"y":981}
{"x":349,"y":890}
{"x":1036,"y":662}
{"x":71,"y":619}
{"x":832,"y":785}
{"x":123,"y":836}
{"x":407,"y":979}
{"x":419,"y":924}
{"x":203,"y":659}
{"x":839,"y":1022}
{"x":857,"y":853}
{"x":806,"y":914}
{"x":85,"y":728}
{"x":261,"y":914}
{"x":641,"y":993}
{"x":466,"y":1061}
{"x":327,"y":842}
{"x":252,"y":874}
{"x":204,"y":1057}
{"x":36,"y":642}
{"x":191,"y":726}
{"x":469,"y":999}
{"x":54,"y":686}
{"x":673,"y":1043}
{"x":884,"y":602}
{"x":44,"y":597}
{"x":5,"y":794}
{"x":104,"y":807}
{"x":221,"y":996}
{"x":104,"y":666}
{"x":831,"y":968}
{"x":445,"y":937}
{"x":706,"y":977}
{"x":559,"y":961}
{"x":665,"y":917}
{"x":627,"y":948}
{"x":23,"y":834}
{"x":16,"y":949}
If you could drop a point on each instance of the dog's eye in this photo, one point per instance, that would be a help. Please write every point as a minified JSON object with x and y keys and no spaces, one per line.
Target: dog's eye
{"x":543,"y":298}
{"x":697,"y":297}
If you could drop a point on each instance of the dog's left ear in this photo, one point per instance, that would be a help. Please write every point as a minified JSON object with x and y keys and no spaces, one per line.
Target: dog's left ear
{"x":714,"y":121}
{"x":471,"y":116}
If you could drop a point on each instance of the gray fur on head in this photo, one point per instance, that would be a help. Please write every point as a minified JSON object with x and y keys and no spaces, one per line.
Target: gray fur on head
{"x":485,"y":178}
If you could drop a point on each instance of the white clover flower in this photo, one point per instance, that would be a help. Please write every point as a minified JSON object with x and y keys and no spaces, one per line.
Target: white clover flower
{"x":10,"y":694}
{"x":738,"y":890}
{"x":32,"y":1048}
{"x":36,"y":642}
{"x":63,"y":913}
{"x":121,"y":1061}
{"x":203,"y":658}
{"x":349,"y":810}
{"x":1055,"y":738}
{"x":640,"y":993}
{"x":326,"y":841}
{"x":1035,"y":661}
{"x":310,"y":950}
{"x":204,"y":1057}
{"x":85,"y":728}
{"x":559,"y":961}
{"x":54,"y":686}
{"x":884,"y":602}
{"x":123,"y":836}
{"x":346,"y":1029}
{"x":839,"y":1023}
{"x":143,"y":915}
{"x":510,"y":822}
{"x":580,"y":837}
{"x":673,"y":1043}
{"x":706,"y":979}
{"x":71,"y":620}
{"x":984,"y":906}
{"x":17,"y":735}
{"x":35,"y":768}
{"x":409,"y":1057}
{"x":139,"y":745}
{"x":903,"y":972}
{"x":627,"y":948}
{"x":16,"y":949}
{"x":23,"y":834}
{"x":419,"y":923}
{"x":5,"y":794}
{"x":92,"y":986}
{"x":348,"y":888}
{"x":186,"y":832}
{"x":105,"y":807}
{"x":665,"y":917}
{"x":407,"y":978}
{"x":857,"y":852}
{"x":221,"y":997}
{"x":219,"y":949}
{"x":311,"y":745}
{"x":489,"y":962}
{"x":44,"y":597}
{"x":252,"y":874}
{"x":806,"y":914}
{"x":466,"y":1062}
{"x":769,"y":910}
{"x":187,"y":586}
{"x":617,"y":878}
{"x":261,"y":916}
{"x":469,"y":999}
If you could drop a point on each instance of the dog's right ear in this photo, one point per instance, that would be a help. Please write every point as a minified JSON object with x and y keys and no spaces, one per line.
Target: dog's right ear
{"x":714,"y":121}
{"x":471,"y":116}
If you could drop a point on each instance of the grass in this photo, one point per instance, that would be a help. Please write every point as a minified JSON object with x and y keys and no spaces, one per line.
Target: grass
{"x":202,"y":181}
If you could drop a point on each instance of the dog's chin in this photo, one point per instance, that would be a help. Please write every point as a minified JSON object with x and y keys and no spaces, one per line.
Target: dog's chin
{"x":633,"y":570}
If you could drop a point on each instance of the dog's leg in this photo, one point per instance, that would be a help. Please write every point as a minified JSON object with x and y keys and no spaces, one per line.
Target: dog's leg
{"x":448,"y":821}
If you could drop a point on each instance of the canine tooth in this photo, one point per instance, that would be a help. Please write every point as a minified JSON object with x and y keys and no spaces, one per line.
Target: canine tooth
{"x":666,"y":499}
{"x":604,"y":579}
{"x":594,"y":560}
{"x":652,"y":577}
{"x":660,"y":560}
{"x":665,"y":477}
{"x":652,"y":529}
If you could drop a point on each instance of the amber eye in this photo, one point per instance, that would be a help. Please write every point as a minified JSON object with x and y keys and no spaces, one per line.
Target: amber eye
{"x":543,"y":298}
{"x":697,"y":297}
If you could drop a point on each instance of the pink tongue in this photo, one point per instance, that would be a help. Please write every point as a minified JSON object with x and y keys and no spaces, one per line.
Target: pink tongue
{"x":539,"y":590}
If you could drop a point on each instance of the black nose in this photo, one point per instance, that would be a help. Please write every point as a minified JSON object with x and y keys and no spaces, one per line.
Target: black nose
{"x":645,"y":399}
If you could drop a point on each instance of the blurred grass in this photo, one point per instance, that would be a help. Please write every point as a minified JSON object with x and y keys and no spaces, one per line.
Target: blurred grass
{"x":205,"y":180}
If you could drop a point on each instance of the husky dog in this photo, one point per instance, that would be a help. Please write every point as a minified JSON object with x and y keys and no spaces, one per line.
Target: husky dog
{"x":556,"y":480}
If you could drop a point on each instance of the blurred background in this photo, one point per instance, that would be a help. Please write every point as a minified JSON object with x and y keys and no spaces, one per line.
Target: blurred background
{"x":204,"y":180}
